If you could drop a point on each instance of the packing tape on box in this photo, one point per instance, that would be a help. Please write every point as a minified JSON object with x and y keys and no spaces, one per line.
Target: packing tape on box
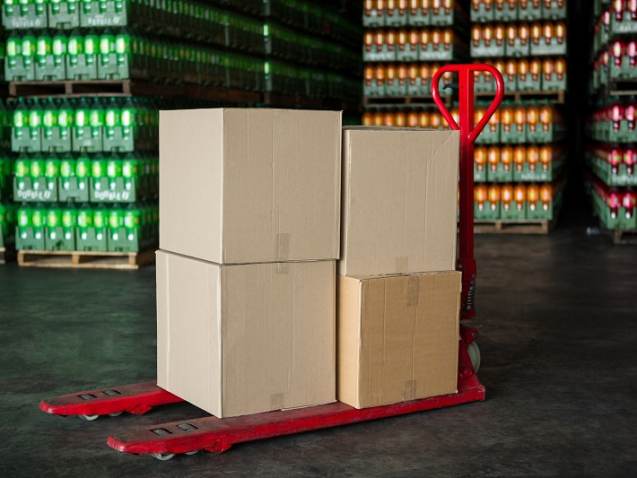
{"x":276,"y":401}
{"x":413,"y":291}
{"x":409,"y":391}
{"x":402,"y":264}
{"x":282,"y":247}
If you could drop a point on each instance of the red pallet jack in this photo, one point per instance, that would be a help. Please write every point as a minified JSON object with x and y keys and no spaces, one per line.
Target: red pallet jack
{"x":166,"y":440}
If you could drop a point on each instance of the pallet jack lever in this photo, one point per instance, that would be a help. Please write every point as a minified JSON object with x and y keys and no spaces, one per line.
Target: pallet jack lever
{"x":468,"y":134}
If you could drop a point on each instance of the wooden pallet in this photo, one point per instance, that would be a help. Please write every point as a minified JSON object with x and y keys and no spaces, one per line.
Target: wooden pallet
{"x":86,"y":260}
{"x":7,"y":254}
{"x":623,"y":237}
{"x":556,"y":97}
{"x":400,"y":101}
{"x":501,"y":226}
{"x":68,"y":88}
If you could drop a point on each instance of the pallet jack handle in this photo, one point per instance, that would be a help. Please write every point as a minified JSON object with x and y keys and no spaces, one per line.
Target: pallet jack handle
{"x":468,"y":135}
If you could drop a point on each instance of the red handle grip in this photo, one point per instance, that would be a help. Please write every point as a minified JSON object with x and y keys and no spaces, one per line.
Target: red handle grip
{"x":464,"y":73}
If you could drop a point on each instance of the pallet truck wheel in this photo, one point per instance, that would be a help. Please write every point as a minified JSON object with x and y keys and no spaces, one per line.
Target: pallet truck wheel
{"x":115,"y":414}
{"x":89,"y":418}
{"x":474,"y":355}
{"x":163,"y":456}
{"x":190,"y":453}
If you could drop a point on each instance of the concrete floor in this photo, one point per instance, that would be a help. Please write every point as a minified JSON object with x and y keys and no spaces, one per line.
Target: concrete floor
{"x":557,"y":317}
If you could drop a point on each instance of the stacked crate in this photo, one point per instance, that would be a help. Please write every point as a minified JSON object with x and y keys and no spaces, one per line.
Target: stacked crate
{"x":406,"y":42}
{"x":519,"y":160}
{"x":611,"y":155}
{"x":85,"y":165}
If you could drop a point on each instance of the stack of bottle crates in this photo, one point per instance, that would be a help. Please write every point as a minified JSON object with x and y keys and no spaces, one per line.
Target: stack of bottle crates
{"x":83,"y":170}
{"x":611,"y":153}
{"x":405,"y":43}
{"x":519,"y":158}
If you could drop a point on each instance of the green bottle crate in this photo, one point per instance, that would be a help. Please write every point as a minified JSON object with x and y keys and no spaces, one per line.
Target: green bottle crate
{"x":488,"y":211}
{"x":113,"y":57}
{"x":490,"y":134}
{"x":553,"y":82}
{"x":373,"y":19}
{"x":74,"y":179}
{"x":20,"y":54}
{"x":60,"y":228}
{"x":545,"y":133}
{"x":517,"y":47}
{"x":382,"y":52}
{"x":508,"y":12}
{"x":25,"y":132}
{"x":92,"y":229}
{"x":19,"y":14}
{"x":484,"y":50}
{"x":479,"y":173}
{"x":515,"y":134}
{"x":396,"y":17}
{"x":445,"y":17}
{"x":554,"y":11}
{"x":31,"y":227}
{"x":546,"y":46}
{"x":57,"y":122}
{"x":64,"y":14}
{"x":529,"y":10}
{"x":81,"y":59}
{"x":510,"y":82}
{"x":528,"y":82}
{"x":514,"y":210}
{"x":499,"y":173}
{"x":88,"y":125}
{"x":36,"y":179}
{"x":440,"y":52}
{"x":541,"y":211}
{"x":396,"y":87}
{"x":482,"y":12}
{"x":419,"y":17}
{"x":104,"y":13}
{"x":408,"y":52}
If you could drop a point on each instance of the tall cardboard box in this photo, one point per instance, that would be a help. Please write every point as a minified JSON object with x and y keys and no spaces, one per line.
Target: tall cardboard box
{"x":242,"y":339}
{"x":400,"y":193}
{"x":250,"y":185}
{"x":397,"y":337}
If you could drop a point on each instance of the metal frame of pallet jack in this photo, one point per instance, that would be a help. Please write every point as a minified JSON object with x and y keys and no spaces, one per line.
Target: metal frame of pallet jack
{"x":218,"y":435}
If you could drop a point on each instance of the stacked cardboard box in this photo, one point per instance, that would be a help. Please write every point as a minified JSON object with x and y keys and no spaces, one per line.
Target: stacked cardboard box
{"x":398,"y":293}
{"x":249,"y":235}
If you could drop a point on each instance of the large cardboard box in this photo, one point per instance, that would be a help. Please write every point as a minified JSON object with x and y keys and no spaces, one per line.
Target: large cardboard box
{"x":250,"y":185}
{"x":397,"y":338}
{"x":241,"y":339}
{"x":400,"y":193}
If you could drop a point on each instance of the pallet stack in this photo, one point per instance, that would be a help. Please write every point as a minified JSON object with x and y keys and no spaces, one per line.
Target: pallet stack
{"x":519,"y":160}
{"x":88,"y":79}
{"x":406,"y":42}
{"x":611,"y":155}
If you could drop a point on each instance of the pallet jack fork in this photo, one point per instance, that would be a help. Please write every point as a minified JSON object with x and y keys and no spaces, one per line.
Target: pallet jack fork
{"x":164,"y":441}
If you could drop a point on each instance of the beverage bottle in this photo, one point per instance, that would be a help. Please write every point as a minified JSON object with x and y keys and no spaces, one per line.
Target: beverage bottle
{"x":532,"y":157}
{"x":487,"y":34}
{"x":413,"y":73}
{"x":546,"y":196}
{"x":506,"y":115}
{"x":535,"y":68}
{"x":98,"y":171}
{"x":559,"y":30}
{"x":28,"y":49}
{"x":519,"y":194}
{"x":511,"y":33}
{"x":480,"y":196}
{"x":494,"y":122}
{"x":81,"y":118}
{"x":533,"y":195}
{"x":67,"y":171}
{"x":436,"y":38}
{"x":631,"y":52}
{"x":532,"y":117}
{"x":106,"y":47}
{"x":22,"y":169}
{"x":69,"y":222}
{"x":435,"y":119}
{"x":476,"y":35}
{"x":52,"y":172}
{"x":84,"y":221}
{"x":35,"y":121}
{"x":499,"y":33}
{"x":480,"y":158}
{"x":13,"y":51}
{"x":24,"y":220}
{"x":403,"y":39}
{"x":547,"y":68}
{"x":520,"y":118}
{"x":390,"y":74}
{"x":390,"y":40}
{"x":511,"y":69}
{"x":114,"y":171}
{"x":96,"y":119}
{"x":49,"y":118}
{"x":402,"y":74}
{"x":523,"y":68}
{"x":536,"y":33}
{"x":493,"y":194}
{"x":546,"y":117}
{"x":37,"y":171}
{"x":548,"y":33}
{"x":378,"y":119}
{"x":630,"y":114}
{"x":83,"y":168}
{"x":369,"y":75}
{"x":455,"y":114}
{"x":425,"y":39}
{"x":523,"y":34}
{"x":64,"y":119}
{"x":369,"y":39}
{"x":507,"y":196}
{"x":546,"y":156}
{"x":59,"y":49}
{"x":630,"y":159}
{"x":368,"y":119}
{"x":115,"y":222}
{"x":112,"y":118}
{"x":388,"y":119}
{"x":412,"y":119}
{"x":493,"y":157}
{"x":43,"y":49}
{"x":617,"y":52}
{"x":100,"y":221}
{"x":53,"y":220}
{"x":506,"y":157}
{"x":424,"y":119}
{"x":132,"y":222}
{"x":38,"y":220}
{"x":447,"y":38}
{"x":519,"y":157}
{"x":400,"y":119}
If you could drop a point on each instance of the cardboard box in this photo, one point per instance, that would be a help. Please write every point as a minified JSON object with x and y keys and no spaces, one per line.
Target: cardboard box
{"x":241,"y":339}
{"x":250,"y":185}
{"x":400,"y":193}
{"x":397,"y":338}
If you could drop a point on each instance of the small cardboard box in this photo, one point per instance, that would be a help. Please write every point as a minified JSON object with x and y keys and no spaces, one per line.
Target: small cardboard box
{"x":400,"y":193}
{"x":242,"y":339}
{"x":397,"y":338}
{"x":250,"y":185}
